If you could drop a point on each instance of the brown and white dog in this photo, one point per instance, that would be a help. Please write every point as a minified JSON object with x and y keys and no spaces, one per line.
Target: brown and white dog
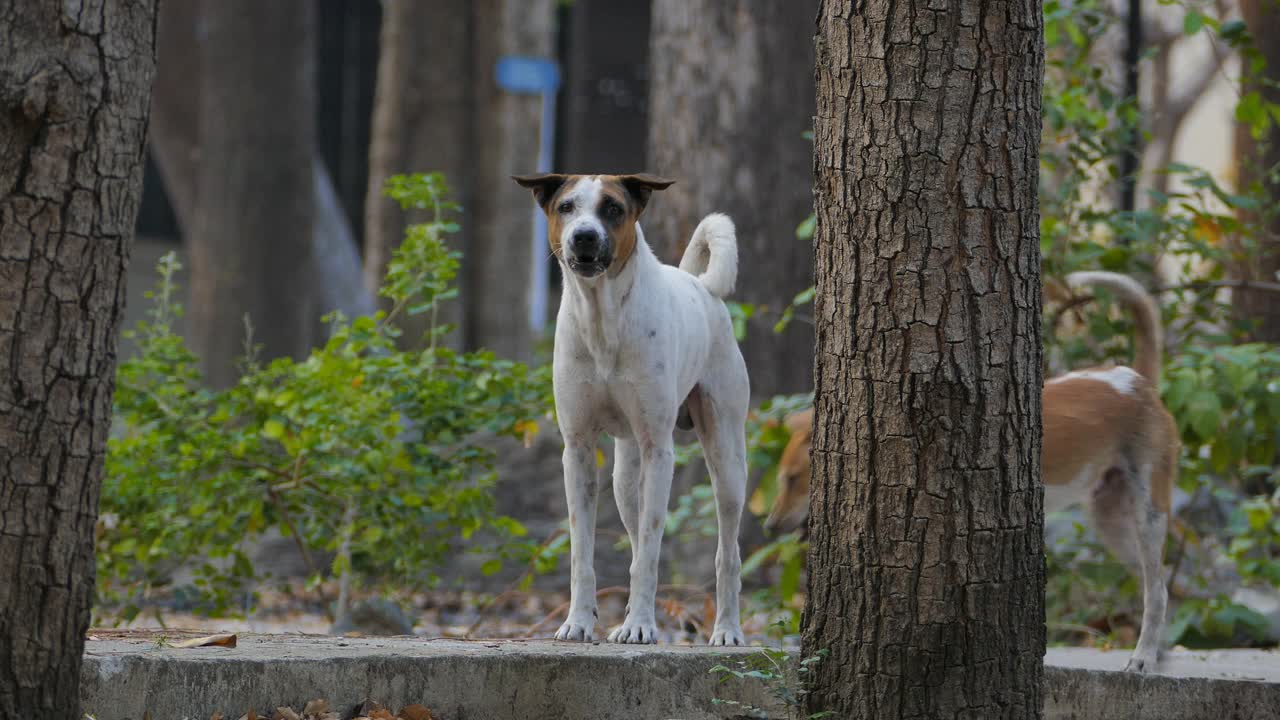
{"x":1108,"y":443}
{"x":641,"y":347}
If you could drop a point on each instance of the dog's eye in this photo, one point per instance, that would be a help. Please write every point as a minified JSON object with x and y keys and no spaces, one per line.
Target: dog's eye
{"x":612,"y":211}
{"x":566,"y":207}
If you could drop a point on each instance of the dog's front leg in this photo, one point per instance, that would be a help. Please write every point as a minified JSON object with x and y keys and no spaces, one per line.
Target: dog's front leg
{"x":581,"y":486}
{"x":640,"y":625}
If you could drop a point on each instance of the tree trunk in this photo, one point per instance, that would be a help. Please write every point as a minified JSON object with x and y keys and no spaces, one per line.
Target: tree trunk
{"x":422,"y":122}
{"x":175,"y":137}
{"x":1253,"y":162}
{"x":74,"y":99}
{"x":730,"y":97}
{"x":496,"y":270}
{"x":439,"y":108}
{"x":251,"y":245}
{"x":926,"y":559}
{"x":606,"y":91}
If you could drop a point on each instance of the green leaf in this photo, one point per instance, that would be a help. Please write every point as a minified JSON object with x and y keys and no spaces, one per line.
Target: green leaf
{"x":491,"y":566}
{"x":1204,"y":413}
{"x":804,"y":231}
{"x":273,"y":429}
{"x":1192,"y":22}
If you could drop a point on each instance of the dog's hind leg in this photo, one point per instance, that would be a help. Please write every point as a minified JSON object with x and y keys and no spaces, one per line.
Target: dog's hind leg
{"x":581,"y":487}
{"x":1134,"y":530}
{"x":722,"y":433}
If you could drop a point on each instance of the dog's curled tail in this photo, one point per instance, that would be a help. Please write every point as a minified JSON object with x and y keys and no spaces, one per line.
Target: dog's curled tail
{"x":712,"y":254}
{"x":1149,"y":340}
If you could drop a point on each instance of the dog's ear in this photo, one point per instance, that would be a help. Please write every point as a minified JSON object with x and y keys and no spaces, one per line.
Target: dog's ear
{"x":544,"y":186}
{"x":640,"y":186}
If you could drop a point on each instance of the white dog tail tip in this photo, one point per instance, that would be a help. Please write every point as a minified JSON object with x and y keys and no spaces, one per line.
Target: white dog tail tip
{"x":1149,"y":340}
{"x":712,"y":254}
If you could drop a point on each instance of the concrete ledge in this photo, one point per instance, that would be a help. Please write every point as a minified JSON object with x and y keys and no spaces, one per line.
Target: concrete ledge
{"x":457,"y":680}
{"x":1084,"y":684}
{"x":497,"y":680}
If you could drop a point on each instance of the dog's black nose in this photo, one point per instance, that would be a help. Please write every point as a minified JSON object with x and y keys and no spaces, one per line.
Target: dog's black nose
{"x":585,"y":242}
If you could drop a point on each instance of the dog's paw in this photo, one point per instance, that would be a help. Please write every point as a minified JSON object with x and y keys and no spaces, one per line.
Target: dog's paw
{"x":727,"y":637}
{"x":576,"y":631}
{"x":1141,"y":662}
{"x":635,"y":632}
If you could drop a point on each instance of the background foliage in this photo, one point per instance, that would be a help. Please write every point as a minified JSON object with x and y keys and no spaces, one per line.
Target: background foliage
{"x":369,"y":456}
{"x":1223,"y":391}
{"x":373,"y":458}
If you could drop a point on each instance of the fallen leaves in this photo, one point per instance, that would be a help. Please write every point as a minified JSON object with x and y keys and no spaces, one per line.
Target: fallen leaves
{"x":226,"y":640}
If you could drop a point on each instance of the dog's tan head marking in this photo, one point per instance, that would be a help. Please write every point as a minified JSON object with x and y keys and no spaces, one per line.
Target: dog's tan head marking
{"x":591,"y":219}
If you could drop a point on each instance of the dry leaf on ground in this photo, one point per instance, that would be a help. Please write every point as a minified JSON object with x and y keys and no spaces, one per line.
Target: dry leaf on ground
{"x":285,"y":713}
{"x":415,"y":712}
{"x":319,"y":710}
{"x":227,"y":640}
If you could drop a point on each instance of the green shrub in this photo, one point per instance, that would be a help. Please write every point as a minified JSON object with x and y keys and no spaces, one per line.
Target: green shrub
{"x":362,"y":452}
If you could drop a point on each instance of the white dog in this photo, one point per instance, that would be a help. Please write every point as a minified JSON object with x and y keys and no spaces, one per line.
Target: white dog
{"x":641,"y":346}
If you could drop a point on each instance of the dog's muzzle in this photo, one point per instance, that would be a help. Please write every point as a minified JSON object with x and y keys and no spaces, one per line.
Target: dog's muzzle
{"x":588,"y":254}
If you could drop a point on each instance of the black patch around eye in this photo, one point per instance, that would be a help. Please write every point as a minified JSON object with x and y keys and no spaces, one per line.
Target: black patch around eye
{"x":611,"y":211}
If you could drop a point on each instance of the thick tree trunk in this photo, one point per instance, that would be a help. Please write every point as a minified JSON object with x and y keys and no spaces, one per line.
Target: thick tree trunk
{"x":926,"y":560}
{"x":501,"y":213}
{"x":74,"y":98}
{"x":730,"y":97}
{"x":175,"y":137}
{"x":422,"y":122}
{"x":251,"y":245}
{"x":1253,"y":161}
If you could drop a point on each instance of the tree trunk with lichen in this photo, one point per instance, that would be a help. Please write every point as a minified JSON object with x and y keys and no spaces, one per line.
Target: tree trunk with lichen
{"x":926,"y":559}
{"x":74,"y":99}
{"x":1255,"y":163}
{"x":730,"y":98}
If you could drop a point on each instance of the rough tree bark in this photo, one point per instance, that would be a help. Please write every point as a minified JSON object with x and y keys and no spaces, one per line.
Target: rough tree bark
{"x":1253,"y":162}
{"x":74,"y":97}
{"x":422,"y":122}
{"x":175,"y":138}
{"x":926,"y":560}
{"x":251,"y":244}
{"x":729,"y":100}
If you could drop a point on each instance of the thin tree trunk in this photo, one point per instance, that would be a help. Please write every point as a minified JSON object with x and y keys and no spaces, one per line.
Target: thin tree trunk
{"x":251,"y":246}
{"x":422,"y":122}
{"x":926,"y":559}
{"x":730,"y":98}
{"x":501,"y":214}
{"x":74,"y":98}
{"x":1258,"y":162}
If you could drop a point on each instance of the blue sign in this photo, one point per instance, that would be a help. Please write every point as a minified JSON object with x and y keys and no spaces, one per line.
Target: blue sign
{"x":533,"y":76}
